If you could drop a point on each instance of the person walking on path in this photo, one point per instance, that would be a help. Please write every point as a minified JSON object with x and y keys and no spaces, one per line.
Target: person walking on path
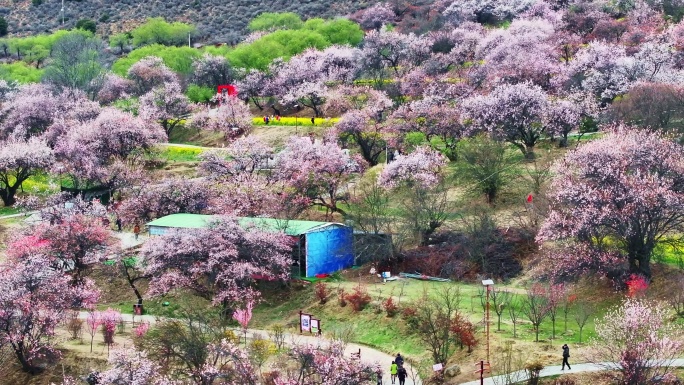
{"x":566,"y":355}
{"x":393,"y":371}
{"x":136,"y":231}
{"x":399,"y":360}
{"x":401,"y":373}
{"x":379,"y":375}
{"x":118,"y":224}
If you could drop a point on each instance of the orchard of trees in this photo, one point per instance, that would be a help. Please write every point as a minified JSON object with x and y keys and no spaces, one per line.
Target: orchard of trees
{"x":512,"y":138}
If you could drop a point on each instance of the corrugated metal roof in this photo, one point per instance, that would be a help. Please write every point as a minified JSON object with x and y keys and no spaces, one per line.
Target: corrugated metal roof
{"x":195,"y":221}
{"x":184,"y":221}
{"x":289,"y":226}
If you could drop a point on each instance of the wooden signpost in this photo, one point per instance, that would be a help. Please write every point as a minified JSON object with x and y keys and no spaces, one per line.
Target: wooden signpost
{"x":309,"y":324}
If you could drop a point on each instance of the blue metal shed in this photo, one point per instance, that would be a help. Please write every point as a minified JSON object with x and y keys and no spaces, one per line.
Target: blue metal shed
{"x":322,"y":247}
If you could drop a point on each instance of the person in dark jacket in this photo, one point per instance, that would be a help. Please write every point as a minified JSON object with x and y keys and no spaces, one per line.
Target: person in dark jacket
{"x":401,"y":374}
{"x":566,"y":355}
{"x":399,"y":360}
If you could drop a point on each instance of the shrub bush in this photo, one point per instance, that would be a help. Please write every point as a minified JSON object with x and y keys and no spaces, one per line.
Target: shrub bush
{"x":637,"y":286}
{"x":260,"y":350}
{"x":390,"y":307}
{"x":465,"y":331}
{"x":86,"y":25}
{"x":322,"y":292}
{"x":277,"y":335}
{"x":20,"y":72}
{"x":199,"y":94}
{"x":533,"y":369}
{"x":75,"y":327}
{"x":178,"y":59}
{"x":358,"y":298}
{"x":408,"y":312}
{"x":230,"y":335}
{"x":157,"y":31}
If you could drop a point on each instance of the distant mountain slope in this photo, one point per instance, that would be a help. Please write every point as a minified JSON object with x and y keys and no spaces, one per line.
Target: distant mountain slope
{"x":216,"y":20}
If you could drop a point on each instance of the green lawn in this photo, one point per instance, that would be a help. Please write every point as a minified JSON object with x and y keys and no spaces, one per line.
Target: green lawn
{"x":8,"y":210}
{"x":41,"y":183}
{"x":374,"y":328}
{"x":370,"y":328}
{"x":38,"y":184}
{"x":170,"y":306}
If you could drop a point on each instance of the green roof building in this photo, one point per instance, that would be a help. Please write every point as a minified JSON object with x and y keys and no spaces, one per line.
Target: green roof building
{"x":321,"y":247}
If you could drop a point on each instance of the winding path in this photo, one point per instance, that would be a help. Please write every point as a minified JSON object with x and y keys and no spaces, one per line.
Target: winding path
{"x":521,"y":375}
{"x":368,"y":355}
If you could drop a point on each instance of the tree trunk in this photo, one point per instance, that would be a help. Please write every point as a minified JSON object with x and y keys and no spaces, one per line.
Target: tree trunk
{"x":26,"y":366}
{"x":256,"y":103}
{"x":7,"y":195}
{"x":165,"y":126}
{"x":491,"y":196}
{"x":529,"y":152}
{"x":645,"y":266}
{"x":425,"y":238}
{"x":640,"y":261}
{"x":523,"y":148}
{"x":314,"y":107}
{"x":131,"y":283}
{"x":365,"y":149}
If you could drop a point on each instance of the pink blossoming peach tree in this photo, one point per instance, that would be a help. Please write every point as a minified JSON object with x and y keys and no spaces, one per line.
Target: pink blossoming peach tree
{"x":627,"y":187}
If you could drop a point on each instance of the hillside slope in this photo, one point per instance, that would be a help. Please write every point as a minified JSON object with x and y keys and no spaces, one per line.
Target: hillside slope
{"x":217,"y":21}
